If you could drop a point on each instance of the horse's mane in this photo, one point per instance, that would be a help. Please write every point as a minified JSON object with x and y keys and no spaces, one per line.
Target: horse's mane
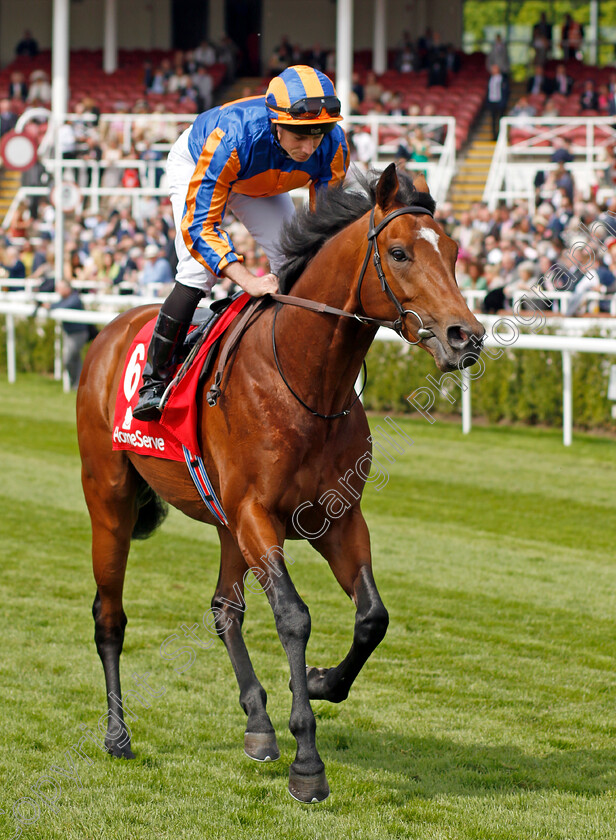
{"x":304,"y":234}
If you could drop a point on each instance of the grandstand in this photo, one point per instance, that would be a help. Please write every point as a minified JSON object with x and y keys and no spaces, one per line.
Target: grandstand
{"x":125,"y":85}
{"x":466,"y":170}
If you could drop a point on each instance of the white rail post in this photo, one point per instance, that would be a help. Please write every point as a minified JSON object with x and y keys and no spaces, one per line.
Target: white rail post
{"x":10,"y":348}
{"x":344,"y":53}
{"x":567,"y":399}
{"x":467,"y":419}
{"x":57,"y":351}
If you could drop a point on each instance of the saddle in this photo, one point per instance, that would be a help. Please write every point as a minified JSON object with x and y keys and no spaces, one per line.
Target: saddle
{"x":204,"y":322}
{"x":177,"y":426}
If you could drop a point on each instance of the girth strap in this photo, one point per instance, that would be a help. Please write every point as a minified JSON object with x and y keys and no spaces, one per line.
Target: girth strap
{"x":230,"y":346}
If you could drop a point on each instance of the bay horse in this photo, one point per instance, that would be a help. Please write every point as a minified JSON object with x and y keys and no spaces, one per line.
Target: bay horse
{"x":269,"y":456}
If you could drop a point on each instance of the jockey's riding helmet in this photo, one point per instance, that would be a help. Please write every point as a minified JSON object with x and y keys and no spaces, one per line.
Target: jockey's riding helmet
{"x":303,"y":100}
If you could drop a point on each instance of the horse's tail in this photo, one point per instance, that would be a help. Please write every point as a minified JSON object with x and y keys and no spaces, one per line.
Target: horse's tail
{"x":152,"y":512}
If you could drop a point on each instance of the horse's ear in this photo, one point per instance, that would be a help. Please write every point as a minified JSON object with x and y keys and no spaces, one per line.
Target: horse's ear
{"x":387,"y":187}
{"x":420,"y":183}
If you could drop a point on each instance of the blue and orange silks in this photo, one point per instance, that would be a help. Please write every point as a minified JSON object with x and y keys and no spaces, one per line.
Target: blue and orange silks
{"x":235,"y":150}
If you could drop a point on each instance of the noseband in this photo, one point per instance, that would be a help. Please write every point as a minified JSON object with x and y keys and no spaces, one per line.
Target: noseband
{"x":373,"y":232}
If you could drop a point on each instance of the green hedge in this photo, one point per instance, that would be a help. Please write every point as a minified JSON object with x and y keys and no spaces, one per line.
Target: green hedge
{"x":523,"y":386}
{"x":34,"y":342}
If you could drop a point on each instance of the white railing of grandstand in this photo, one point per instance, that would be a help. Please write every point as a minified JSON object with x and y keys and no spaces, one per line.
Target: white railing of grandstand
{"x":91,"y":170}
{"x":87,"y":174}
{"x":441,"y":166}
{"x":564,"y":344}
{"x":514,"y":166}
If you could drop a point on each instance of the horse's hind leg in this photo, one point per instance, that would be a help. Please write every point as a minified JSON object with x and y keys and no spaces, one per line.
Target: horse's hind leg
{"x":346,"y":547}
{"x":229,"y":606}
{"x":111,"y":499}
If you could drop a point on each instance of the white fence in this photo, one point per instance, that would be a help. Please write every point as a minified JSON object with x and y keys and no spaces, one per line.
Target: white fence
{"x":515,"y":164}
{"x":565,"y":344}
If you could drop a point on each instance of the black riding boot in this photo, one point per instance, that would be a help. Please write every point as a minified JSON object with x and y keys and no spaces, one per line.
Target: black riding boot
{"x":168,"y":336}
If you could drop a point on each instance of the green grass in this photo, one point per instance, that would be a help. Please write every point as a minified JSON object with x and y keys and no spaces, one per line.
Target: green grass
{"x":488,"y":712}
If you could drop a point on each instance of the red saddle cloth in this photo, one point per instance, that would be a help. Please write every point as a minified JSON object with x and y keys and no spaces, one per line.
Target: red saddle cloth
{"x":177,"y":426}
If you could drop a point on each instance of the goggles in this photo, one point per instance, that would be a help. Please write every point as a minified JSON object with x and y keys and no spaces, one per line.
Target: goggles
{"x":310,"y":107}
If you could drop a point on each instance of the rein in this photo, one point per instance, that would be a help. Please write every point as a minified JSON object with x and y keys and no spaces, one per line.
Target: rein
{"x":316,"y":306}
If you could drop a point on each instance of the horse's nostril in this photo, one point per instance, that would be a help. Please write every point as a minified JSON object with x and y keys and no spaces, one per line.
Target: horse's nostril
{"x":456,"y":336}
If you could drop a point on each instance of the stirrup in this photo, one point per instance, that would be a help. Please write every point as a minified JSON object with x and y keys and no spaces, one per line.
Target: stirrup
{"x":148,"y":404}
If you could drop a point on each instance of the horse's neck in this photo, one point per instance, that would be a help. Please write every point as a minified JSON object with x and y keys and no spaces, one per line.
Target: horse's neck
{"x":329,"y":349}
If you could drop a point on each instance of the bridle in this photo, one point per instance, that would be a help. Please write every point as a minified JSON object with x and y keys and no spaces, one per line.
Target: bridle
{"x":373,"y":232}
{"x":397,"y":325}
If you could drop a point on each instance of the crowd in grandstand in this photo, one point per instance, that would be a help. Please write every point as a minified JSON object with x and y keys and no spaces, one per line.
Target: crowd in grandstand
{"x":127,"y":247}
{"x":502,"y":252}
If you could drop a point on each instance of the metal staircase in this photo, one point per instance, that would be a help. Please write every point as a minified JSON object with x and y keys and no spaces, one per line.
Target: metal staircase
{"x":10,"y":182}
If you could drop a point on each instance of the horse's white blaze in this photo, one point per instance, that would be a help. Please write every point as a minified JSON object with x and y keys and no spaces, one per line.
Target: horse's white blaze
{"x":430,"y":236}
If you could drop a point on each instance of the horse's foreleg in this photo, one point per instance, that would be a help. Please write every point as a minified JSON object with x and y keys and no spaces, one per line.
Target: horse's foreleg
{"x":260,"y":541}
{"x":346,"y":547}
{"x":112,"y":525}
{"x":228,"y":606}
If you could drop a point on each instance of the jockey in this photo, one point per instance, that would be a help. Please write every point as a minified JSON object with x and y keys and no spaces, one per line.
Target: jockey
{"x":246,"y":156}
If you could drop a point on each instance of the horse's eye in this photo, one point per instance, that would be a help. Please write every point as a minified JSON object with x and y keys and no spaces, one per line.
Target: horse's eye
{"x":398,"y":254}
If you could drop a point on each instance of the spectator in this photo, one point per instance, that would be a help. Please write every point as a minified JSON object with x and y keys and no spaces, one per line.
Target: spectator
{"x":112,"y":173}
{"x":110,"y":269}
{"x":437,"y":64}
{"x":356,"y":87}
{"x":40,"y":89}
{"x":564,"y":181}
{"x":608,"y":176}
{"x":475,"y":272}
{"x":316,"y":57}
{"x":204,"y":86}
{"x":406,"y":59}
{"x":395,"y":108}
{"x":158,"y":84}
{"x":156,"y":275}
{"x":498,"y":55}
{"x":538,"y":82}
{"x":373,"y":89}
{"x":414,"y":148}
{"x":18,"y":87}
{"x":363,"y":146}
{"x":571,"y":37}
{"x":562,"y":150}
{"x":588,"y":98}
{"x":8,"y":117}
{"x":524,"y":280}
{"x":523,"y":108}
{"x":453,"y":60}
{"x":205,"y":54}
{"x":541,"y":39}
{"x":584,"y":282}
{"x":562,"y":81}
{"x":179,"y":82}
{"x":497,"y":96}
{"x":463,"y":278}
{"x":228,"y":55}
{"x":75,"y":335}
{"x":27,"y":46}
{"x":494,"y":301}
{"x":13,"y":265}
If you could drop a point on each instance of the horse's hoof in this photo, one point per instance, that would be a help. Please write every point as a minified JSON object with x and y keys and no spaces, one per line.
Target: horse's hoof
{"x":320,"y":689}
{"x":308,"y":788}
{"x":261,"y":746}
{"x":119,"y":752}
